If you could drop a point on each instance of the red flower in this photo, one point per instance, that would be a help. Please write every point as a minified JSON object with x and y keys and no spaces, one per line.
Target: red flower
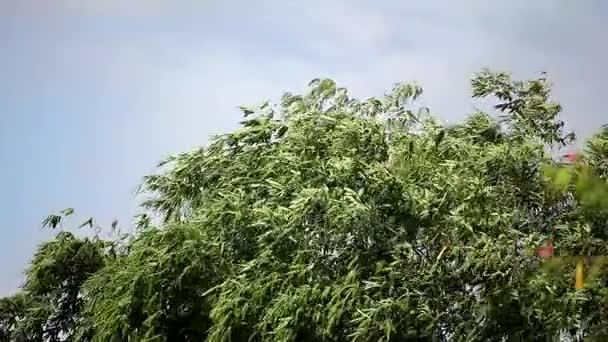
{"x":571,"y":157}
{"x":546,"y":251}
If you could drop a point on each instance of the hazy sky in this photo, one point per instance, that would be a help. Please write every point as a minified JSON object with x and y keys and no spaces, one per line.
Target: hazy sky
{"x":94,"y":93}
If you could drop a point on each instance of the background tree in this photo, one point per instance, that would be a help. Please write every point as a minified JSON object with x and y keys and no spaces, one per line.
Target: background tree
{"x":49,"y":306}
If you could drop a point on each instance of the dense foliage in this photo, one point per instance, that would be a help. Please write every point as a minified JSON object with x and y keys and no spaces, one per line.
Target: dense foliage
{"x":327,"y":218}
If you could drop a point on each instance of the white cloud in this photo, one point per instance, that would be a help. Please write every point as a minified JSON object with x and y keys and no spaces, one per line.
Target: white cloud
{"x":115,"y":8}
{"x":366,"y":47}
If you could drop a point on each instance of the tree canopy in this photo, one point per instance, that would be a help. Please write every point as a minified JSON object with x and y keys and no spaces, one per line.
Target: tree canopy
{"x":328,"y":218}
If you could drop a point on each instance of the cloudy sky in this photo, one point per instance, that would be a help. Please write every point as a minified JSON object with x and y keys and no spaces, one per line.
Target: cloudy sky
{"x":94,"y":93}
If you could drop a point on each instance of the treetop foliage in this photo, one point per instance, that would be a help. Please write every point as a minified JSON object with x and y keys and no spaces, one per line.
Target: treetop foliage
{"x":328,"y":218}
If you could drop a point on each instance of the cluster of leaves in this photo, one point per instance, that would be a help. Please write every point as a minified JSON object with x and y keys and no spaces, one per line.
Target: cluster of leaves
{"x":50,"y":304}
{"x":327,"y":218}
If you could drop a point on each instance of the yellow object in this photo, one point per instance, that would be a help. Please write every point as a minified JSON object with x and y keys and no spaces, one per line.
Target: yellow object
{"x":579,"y":273}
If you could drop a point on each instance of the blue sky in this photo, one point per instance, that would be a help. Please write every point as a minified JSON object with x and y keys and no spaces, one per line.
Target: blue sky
{"x":95,"y":93}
